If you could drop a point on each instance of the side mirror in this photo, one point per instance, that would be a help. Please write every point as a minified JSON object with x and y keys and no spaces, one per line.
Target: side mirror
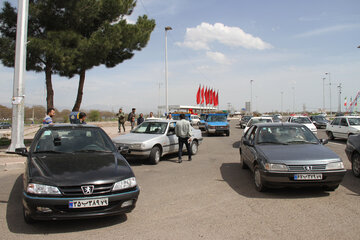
{"x":324,"y":141}
{"x":124,"y":149}
{"x":247,"y":142}
{"x":21,"y":151}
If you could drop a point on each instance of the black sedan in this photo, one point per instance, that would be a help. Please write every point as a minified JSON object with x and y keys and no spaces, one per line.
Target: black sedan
{"x":319,"y":121}
{"x":5,"y":125}
{"x":75,"y":171}
{"x":352,"y":151}
{"x":289,"y":154}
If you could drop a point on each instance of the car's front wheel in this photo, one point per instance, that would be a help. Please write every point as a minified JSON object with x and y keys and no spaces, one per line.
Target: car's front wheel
{"x":194,"y":147}
{"x":259,"y":186}
{"x":355,"y":164}
{"x":155,"y":155}
{"x":330,"y":135}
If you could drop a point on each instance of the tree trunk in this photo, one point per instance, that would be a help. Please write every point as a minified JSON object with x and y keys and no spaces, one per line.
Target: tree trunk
{"x":49,"y":88}
{"x":76,"y":107}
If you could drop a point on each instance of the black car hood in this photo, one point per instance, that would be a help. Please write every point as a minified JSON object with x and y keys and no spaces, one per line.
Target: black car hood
{"x":81,"y":168}
{"x":297,"y":153}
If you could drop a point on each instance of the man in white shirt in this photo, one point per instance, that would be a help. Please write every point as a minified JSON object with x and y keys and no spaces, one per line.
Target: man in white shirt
{"x":183,"y":132}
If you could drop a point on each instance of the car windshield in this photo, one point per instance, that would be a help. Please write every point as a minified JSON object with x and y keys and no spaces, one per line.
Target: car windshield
{"x":246,"y":118}
{"x":260,"y":120}
{"x":151,"y":128}
{"x":217,"y":118}
{"x":202,"y":117}
{"x":286,"y":135}
{"x":72,"y":140}
{"x":354,"y":121}
{"x":301,"y":120}
{"x":177,"y":117}
{"x":319,"y":118}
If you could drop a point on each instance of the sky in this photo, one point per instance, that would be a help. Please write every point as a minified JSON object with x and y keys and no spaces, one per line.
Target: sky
{"x":284,"y":46}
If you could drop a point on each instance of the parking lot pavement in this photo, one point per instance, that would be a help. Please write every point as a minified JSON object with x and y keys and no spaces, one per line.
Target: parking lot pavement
{"x":210,"y":197}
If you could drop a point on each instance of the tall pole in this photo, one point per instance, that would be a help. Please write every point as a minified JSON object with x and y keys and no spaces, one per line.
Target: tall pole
{"x":324,"y":94}
{"x":329,"y":91}
{"x":251,"y":102}
{"x":282,"y":93}
{"x":166,"y":71}
{"x":17,"y":130}
{"x":293,"y":88}
{"x":339,"y":101}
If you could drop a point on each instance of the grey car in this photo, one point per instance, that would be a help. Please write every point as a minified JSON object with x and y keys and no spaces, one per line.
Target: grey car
{"x":153,"y":139}
{"x":289,"y":154}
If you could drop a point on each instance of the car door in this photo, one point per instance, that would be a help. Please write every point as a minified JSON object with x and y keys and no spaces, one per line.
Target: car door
{"x":334,"y":127}
{"x":247,"y":151}
{"x":172,"y":139}
{"x":343,"y":128}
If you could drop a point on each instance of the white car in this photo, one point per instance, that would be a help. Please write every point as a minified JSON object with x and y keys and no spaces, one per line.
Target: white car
{"x":343,"y":127}
{"x":305,"y":121}
{"x":254,"y":120}
{"x":194,"y":120}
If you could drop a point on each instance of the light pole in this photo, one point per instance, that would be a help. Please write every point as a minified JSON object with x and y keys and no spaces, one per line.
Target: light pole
{"x":329,"y":91}
{"x":324,"y":94}
{"x":166,"y":71}
{"x":282,"y":93}
{"x":339,"y":103}
{"x":293,"y":88}
{"x":251,"y":81}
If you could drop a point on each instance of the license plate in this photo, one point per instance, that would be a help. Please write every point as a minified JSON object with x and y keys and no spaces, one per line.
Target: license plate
{"x":307,"y":176}
{"x":89,"y":203}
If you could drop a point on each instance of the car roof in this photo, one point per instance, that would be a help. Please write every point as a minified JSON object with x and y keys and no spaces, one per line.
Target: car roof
{"x":261,"y":118}
{"x":278,"y":124}
{"x":80,"y":126}
{"x":347,"y":116}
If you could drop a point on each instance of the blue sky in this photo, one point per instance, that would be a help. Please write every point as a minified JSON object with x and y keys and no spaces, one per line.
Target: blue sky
{"x":284,"y":46}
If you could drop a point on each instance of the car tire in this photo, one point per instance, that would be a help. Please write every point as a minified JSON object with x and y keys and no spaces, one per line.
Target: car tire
{"x":155,"y":155}
{"x":227,"y":133}
{"x":194,"y":147}
{"x":259,"y":186}
{"x":27,"y":218}
{"x":242,"y":164}
{"x":330,"y":135}
{"x":355,"y":164}
{"x":331,"y":187}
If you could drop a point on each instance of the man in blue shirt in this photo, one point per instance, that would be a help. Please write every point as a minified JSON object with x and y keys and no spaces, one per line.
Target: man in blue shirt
{"x":48,"y":118}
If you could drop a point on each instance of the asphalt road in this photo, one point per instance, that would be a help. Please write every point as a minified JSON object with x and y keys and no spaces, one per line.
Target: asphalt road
{"x":207,"y":198}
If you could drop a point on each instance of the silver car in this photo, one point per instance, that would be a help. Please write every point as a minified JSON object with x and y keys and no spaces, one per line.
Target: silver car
{"x":153,"y":139}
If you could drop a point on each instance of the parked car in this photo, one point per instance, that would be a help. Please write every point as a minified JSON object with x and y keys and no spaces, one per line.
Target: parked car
{"x":216,"y":123}
{"x":5,"y":125}
{"x":319,"y":121}
{"x":194,"y":120}
{"x":352,"y":151}
{"x":343,"y":127}
{"x":289,"y":154}
{"x":276,"y":118}
{"x":255,"y":120}
{"x":75,"y":171}
{"x":303,"y":120}
{"x":154,"y":139}
{"x":203,"y":117}
{"x":244,"y":120}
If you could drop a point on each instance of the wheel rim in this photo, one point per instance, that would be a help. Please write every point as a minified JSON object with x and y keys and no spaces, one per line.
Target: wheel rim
{"x":157,"y":155}
{"x":194,"y":148}
{"x":257,"y":178}
{"x":356,"y":165}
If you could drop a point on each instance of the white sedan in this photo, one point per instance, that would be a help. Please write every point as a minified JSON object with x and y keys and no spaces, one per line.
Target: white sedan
{"x":254,"y":120}
{"x":303,"y":120}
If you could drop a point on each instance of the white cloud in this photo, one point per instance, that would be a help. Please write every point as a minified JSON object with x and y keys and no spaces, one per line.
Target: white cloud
{"x":201,"y":36}
{"x":326,"y":30}
{"x":217,"y":57}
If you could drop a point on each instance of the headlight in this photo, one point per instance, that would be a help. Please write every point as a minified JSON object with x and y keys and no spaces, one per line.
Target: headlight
{"x":35,"y":188}
{"x":137,"y":145}
{"x":124,"y":184}
{"x":335,"y":165}
{"x":276,"y":167}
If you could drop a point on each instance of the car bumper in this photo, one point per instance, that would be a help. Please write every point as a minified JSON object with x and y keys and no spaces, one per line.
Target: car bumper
{"x":210,"y":130}
{"x":60,"y":206}
{"x":137,"y":153}
{"x":274,"y":179}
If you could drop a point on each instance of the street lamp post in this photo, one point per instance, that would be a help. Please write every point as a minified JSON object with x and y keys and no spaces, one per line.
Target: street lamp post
{"x":251,"y":103}
{"x":324,"y":94}
{"x":339,"y":103}
{"x":293,"y":88}
{"x":329,"y":91}
{"x":282,"y":93}
{"x":166,"y":71}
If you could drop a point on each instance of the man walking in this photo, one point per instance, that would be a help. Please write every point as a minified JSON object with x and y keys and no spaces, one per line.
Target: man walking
{"x":49,"y":115}
{"x":141,"y":119}
{"x":121,"y":120}
{"x":183,"y":132}
{"x":132,"y":117}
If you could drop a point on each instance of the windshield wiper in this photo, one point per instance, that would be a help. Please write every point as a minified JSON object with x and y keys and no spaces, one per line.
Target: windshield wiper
{"x":301,"y":141}
{"x":269,"y":142}
{"x":91,"y":150}
{"x":48,"y":151}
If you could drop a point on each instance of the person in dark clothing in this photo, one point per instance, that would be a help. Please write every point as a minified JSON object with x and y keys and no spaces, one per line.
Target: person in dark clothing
{"x":121,"y":120}
{"x":131,"y":118}
{"x":183,"y":132}
{"x":82,"y":117}
{"x":140,"y":119}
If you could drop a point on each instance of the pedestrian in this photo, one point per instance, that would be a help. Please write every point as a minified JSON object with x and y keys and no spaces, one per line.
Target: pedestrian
{"x":48,"y":120}
{"x":151,"y":115}
{"x":140,"y":119}
{"x":183,"y":132}
{"x":121,"y":120}
{"x":131,"y":118}
{"x":169,"y":117}
{"x":82,"y":117}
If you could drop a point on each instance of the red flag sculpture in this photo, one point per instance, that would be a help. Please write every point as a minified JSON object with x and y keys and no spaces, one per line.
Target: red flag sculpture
{"x":207,"y":96}
{"x":202,"y":95}
{"x":214,"y":98}
{"x":198,"y":95}
{"x":211,"y":97}
{"x":217,"y":99}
